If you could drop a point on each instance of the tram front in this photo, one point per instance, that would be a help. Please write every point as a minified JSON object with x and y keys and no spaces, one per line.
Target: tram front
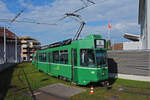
{"x":93,"y":64}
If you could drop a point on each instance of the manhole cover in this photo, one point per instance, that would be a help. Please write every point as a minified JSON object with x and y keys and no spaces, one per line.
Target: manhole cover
{"x":61,"y":90}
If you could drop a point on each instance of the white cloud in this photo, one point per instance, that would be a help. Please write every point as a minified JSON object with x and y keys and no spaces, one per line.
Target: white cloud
{"x":122,"y":14}
{"x":4,"y":12}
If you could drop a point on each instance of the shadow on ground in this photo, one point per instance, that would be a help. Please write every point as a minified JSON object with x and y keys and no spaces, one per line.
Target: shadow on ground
{"x":5,"y":80}
{"x":112,"y":66}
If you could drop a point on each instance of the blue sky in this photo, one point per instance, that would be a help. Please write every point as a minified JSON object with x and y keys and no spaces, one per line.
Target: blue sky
{"x":123,"y":15}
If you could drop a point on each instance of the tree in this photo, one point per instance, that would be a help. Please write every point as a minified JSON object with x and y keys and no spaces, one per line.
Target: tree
{"x":108,"y":44}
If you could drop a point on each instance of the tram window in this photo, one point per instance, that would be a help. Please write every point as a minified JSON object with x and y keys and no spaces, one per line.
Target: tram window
{"x":101,"y":57}
{"x":87,"y":57}
{"x":49,"y":57}
{"x":56,"y":57}
{"x":42,"y":57}
{"x":64,"y":57}
{"x":75,"y":57}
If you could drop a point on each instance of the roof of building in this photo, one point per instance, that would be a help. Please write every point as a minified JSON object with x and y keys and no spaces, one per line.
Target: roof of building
{"x":27,"y":38}
{"x":9,"y":34}
{"x":132,"y":37}
{"x":141,"y":8}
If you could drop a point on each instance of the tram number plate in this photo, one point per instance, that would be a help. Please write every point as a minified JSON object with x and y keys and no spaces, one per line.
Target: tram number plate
{"x":99,"y":44}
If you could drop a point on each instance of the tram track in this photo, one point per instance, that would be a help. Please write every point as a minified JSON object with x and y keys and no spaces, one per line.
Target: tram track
{"x":26,"y":84}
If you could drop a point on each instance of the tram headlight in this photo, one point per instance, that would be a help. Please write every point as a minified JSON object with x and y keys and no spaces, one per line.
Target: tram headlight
{"x":92,"y":72}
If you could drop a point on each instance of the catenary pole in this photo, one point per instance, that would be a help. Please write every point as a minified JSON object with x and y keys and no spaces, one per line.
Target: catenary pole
{"x":16,"y":49}
{"x":4,"y":44}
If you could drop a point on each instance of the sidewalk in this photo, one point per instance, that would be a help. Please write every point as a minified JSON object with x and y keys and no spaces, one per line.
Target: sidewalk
{"x":57,"y":92}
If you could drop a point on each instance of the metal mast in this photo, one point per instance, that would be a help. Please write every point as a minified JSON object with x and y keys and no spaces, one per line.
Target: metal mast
{"x":4,"y":45}
{"x":16,"y":47}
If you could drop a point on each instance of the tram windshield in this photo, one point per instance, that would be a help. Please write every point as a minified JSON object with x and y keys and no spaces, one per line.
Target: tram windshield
{"x":87,"y":57}
{"x":101,"y":57}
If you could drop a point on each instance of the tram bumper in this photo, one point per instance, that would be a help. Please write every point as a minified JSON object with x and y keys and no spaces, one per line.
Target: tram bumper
{"x":92,"y":75}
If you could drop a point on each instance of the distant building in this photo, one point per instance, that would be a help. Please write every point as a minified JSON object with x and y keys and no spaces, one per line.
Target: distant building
{"x":117,"y":46}
{"x":132,"y":45}
{"x":12,"y":49}
{"x":144,"y":21}
{"x":28,"y":46}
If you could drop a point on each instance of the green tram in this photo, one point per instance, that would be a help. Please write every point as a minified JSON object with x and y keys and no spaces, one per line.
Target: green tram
{"x":80,"y":61}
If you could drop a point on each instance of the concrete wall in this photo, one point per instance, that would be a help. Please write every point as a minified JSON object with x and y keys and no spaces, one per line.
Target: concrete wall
{"x":130,"y":62}
{"x":132,"y":45}
{"x":10,"y":53}
{"x":148,"y":24}
{"x":145,"y":26}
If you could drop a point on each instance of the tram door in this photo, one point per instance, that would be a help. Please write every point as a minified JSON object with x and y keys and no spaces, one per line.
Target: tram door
{"x":73,"y":62}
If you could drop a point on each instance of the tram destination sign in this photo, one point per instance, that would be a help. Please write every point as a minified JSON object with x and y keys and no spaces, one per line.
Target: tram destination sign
{"x":99,"y":43}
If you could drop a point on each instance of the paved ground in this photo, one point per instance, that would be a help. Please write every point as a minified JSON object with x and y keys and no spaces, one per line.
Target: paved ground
{"x":57,"y":92}
{"x":134,"y":77}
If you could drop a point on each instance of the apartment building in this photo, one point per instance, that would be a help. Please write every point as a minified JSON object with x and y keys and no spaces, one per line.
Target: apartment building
{"x":28,"y":47}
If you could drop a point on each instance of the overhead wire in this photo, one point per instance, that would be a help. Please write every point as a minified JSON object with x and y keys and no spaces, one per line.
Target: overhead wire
{"x":9,"y":20}
{"x":65,"y":15}
{"x":14,"y":19}
{"x":19,"y":14}
{"x":73,"y":13}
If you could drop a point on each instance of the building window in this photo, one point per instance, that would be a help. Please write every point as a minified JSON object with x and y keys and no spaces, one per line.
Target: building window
{"x":24,"y":58}
{"x":25,"y":52}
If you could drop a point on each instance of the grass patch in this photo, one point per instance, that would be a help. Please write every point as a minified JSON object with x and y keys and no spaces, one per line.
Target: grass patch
{"x":11,"y":87}
{"x":121,"y":89}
